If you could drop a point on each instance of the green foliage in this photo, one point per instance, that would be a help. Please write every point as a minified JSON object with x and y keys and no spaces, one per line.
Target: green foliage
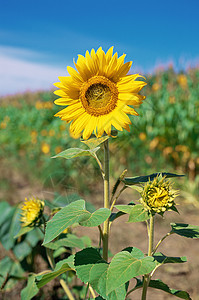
{"x":158,"y":284}
{"x":95,"y":142}
{"x":76,"y":152}
{"x":10,"y":272}
{"x":163,"y":259}
{"x":91,"y":267}
{"x":70,"y":241}
{"x":71,"y":214}
{"x":137,"y":213}
{"x":186,"y":230}
{"x":30,"y":290}
{"x":60,"y":268}
{"x":128,"y":264}
{"x":141,"y":179}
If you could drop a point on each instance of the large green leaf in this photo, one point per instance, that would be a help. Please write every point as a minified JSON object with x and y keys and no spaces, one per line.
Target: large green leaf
{"x":75,"y":212}
{"x":94,"y":142}
{"x":141,"y":179}
{"x":124,"y":266}
{"x":30,"y":290}
{"x":61,"y":267}
{"x":76,"y":152}
{"x":158,"y":284}
{"x":137,"y":213}
{"x":91,"y":267}
{"x":186,"y":230}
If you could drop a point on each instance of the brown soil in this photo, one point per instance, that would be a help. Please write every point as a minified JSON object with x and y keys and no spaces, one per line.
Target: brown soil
{"x":177,"y":276}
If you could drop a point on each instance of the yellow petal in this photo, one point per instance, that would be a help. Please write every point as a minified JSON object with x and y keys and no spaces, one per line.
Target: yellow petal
{"x":109,"y":55}
{"x":75,"y":75}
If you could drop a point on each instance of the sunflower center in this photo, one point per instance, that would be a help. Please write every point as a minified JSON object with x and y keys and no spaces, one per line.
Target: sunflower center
{"x":99,"y":95}
{"x":158,"y":197}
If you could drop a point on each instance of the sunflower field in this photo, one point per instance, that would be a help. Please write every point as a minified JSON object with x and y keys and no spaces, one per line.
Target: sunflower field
{"x":166,"y":132}
{"x":39,"y":240}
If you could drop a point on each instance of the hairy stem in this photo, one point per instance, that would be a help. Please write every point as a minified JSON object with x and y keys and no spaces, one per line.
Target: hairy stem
{"x":106,"y":199}
{"x":160,"y":241}
{"x":150,"y":251}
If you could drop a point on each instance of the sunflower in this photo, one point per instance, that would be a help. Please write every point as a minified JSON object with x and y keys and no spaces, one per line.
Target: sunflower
{"x":158,"y":196}
{"x":32,"y":211}
{"x":98,"y":94}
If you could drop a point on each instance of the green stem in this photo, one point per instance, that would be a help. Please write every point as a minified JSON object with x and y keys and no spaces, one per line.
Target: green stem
{"x":106,"y":199}
{"x":160,"y":241}
{"x":66,"y":289}
{"x":49,"y":253}
{"x":150,"y":250}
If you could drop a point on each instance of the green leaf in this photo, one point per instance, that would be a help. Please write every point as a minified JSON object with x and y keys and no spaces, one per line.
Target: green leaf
{"x":61,"y":267}
{"x":137,"y":213}
{"x":70,"y":241}
{"x":22,"y":250}
{"x":23,"y":230}
{"x":124,"y":266}
{"x":141,"y":179}
{"x":162,"y":259}
{"x":30,"y":290}
{"x":158,"y":284}
{"x":186,"y":230}
{"x":114,"y":216}
{"x":91,"y":267}
{"x":124,"y":208}
{"x":6,"y":226}
{"x":94,"y":142}
{"x":96,"y":218}
{"x":76,"y":152}
{"x":75,"y":212}
{"x":139,"y":189}
{"x":10,"y":272}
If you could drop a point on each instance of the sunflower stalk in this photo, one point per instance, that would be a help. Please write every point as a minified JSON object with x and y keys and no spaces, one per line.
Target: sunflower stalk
{"x":147,"y":277}
{"x":106,"y":199}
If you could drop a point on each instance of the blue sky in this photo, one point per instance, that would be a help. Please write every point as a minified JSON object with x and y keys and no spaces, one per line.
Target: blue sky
{"x":38,"y":39}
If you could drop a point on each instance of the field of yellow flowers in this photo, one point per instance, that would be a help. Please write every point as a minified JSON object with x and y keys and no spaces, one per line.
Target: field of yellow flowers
{"x":167,"y":132}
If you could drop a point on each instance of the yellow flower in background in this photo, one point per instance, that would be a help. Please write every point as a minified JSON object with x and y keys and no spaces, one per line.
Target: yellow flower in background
{"x":38,"y":105}
{"x":98,"y":94}
{"x":158,"y":195}
{"x":58,"y":149}
{"x":3,"y":125}
{"x":172,"y":99}
{"x":45,"y":148}
{"x":44,"y":132}
{"x":62,"y":127}
{"x":142,"y":136}
{"x":32,"y":211}
{"x":156,"y":86}
{"x":51,"y":132}
{"x":182,"y":80}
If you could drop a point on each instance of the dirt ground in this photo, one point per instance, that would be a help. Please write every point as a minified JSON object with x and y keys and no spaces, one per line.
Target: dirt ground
{"x":177,"y":276}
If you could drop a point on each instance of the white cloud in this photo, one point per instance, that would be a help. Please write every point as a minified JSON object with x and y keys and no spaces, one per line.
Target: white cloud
{"x":19,"y":75}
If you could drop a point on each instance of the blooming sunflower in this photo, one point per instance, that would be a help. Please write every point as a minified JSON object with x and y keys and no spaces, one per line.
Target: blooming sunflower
{"x":98,"y":94}
{"x":32,"y":211}
{"x":158,"y":196}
